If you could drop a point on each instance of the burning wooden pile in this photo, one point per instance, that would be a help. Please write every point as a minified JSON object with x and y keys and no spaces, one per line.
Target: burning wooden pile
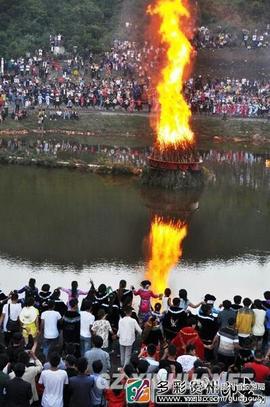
{"x":174,"y":163}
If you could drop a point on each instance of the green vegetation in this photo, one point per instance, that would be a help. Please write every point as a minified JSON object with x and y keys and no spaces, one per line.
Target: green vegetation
{"x":27,"y":24}
{"x":91,"y":24}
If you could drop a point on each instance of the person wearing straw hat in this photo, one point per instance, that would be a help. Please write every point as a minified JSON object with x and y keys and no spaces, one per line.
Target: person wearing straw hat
{"x":29,"y":320}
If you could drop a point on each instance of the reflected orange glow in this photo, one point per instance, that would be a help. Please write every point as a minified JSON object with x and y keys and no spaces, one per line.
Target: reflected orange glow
{"x":267,"y":163}
{"x":172,"y":127}
{"x":166,"y":239}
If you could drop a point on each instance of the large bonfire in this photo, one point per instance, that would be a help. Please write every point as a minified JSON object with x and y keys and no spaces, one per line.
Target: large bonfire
{"x":174,"y":137}
{"x":172,"y":125}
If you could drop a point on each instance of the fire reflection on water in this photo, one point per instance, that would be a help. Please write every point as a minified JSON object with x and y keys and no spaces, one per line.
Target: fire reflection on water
{"x":165,"y":250}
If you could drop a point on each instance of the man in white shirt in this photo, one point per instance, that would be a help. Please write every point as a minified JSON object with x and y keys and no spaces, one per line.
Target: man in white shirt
{"x":87,"y":320}
{"x":127,"y":334}
{"x":49,"y":327}
{"x":53,"y":381}
{"x":11,"y":310}
{"x":187,"y":360}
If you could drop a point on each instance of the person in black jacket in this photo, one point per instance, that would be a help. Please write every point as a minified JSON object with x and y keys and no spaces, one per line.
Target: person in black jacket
{"x":71,"y":325}
{"x":208,"y":327}
{"x":19,"y":392}
{"x":174,"y":320}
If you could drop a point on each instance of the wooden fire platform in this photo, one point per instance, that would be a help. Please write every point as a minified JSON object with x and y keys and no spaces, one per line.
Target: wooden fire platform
{"x":194,"y":166}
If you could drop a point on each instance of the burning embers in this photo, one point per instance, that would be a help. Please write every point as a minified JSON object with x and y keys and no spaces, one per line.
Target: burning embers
{"x":175,"y":142}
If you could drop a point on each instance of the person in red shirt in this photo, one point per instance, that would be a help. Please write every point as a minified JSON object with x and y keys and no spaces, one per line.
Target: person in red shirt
{"x":261,"y":371}
{"x":115,"y":397}
{"x":189,"y":335}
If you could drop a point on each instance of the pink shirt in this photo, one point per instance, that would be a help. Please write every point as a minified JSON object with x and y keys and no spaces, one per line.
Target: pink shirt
{"x":68,"y":291}
{"x":146,"y":295}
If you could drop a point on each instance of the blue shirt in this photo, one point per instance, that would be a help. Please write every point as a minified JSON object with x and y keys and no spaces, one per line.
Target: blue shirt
{"x":81,"y":391}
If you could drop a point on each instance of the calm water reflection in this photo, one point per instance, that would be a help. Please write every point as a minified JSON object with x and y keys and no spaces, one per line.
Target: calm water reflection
{"x":57,"y":223}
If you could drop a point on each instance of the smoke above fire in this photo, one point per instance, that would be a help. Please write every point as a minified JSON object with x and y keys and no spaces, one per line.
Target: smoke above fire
{"x":172,"y":125}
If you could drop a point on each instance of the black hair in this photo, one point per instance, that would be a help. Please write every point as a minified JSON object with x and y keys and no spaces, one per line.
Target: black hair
{"x":97,"y":341}
{"x":54,"y":359}
{"x":45,"y":288}
{"x":183,"y":294}
{"x":142,"y":366}
{"x":102,"y":289}
{"x":167,"y":292}
{"x":205,"y":309}
{"x":157,"y":306}
{"x":23,"y":357}
{"x":128,"y":310}
{"x":51,"y":304}
{"x":122,"y":284}
{"x":237,"y":299}
{"x":97,"y":366}
{"x":227,"y":304}
{"x":82,"y":364}
{"x":32,"y":283}
{"x":247,"y":302}
{"x":74,"y":289}
{"x":129,"y":370}
{"x":176,"y":302}
{"x":19,"y":369}
{"x":29,"y":301}
{"x":71,"y":360}
{"x":257,"y":304}
{"x":101,"y":313}
{"x":87,"y":305}
{"x":190,"y":347}
{"x":151,"y":349}
{"x":14,"y":296}
{"x":266,"y":295}
{"x":172,"y":350}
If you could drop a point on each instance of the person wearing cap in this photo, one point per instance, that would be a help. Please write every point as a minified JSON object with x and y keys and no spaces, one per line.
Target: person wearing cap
{"x":29,"y":320}
{"x":145,"y":294}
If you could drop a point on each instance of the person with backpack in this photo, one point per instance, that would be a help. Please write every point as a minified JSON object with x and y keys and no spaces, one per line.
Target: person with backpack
{"x":10,"y":317}
{"x":30,"y":290}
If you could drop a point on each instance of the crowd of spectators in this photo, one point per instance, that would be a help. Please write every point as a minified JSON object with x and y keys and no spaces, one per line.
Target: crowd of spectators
{"x":221,"y":38}
{"x":120,"y":79}
{"x":61,"y":353}
{"x":229,"y":97}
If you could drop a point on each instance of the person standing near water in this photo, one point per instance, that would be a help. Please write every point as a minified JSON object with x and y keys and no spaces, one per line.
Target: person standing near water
{"x":74,"y":292}
{"x":145,"y":294}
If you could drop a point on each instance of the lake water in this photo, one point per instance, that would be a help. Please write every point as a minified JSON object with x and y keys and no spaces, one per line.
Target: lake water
{"x":60,"y":225}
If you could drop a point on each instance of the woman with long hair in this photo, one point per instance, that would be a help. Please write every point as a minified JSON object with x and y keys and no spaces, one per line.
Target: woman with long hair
{"x":74,"y":292}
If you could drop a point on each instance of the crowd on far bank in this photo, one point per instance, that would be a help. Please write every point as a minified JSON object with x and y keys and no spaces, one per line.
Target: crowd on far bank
{"x":118,"y":80}
{"x":61,"y":346}
{"x":221,"y":38}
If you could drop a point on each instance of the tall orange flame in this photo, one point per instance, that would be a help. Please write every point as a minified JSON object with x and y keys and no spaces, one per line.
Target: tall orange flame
{"x":173,"y":129}
{"x":166,"y":238}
